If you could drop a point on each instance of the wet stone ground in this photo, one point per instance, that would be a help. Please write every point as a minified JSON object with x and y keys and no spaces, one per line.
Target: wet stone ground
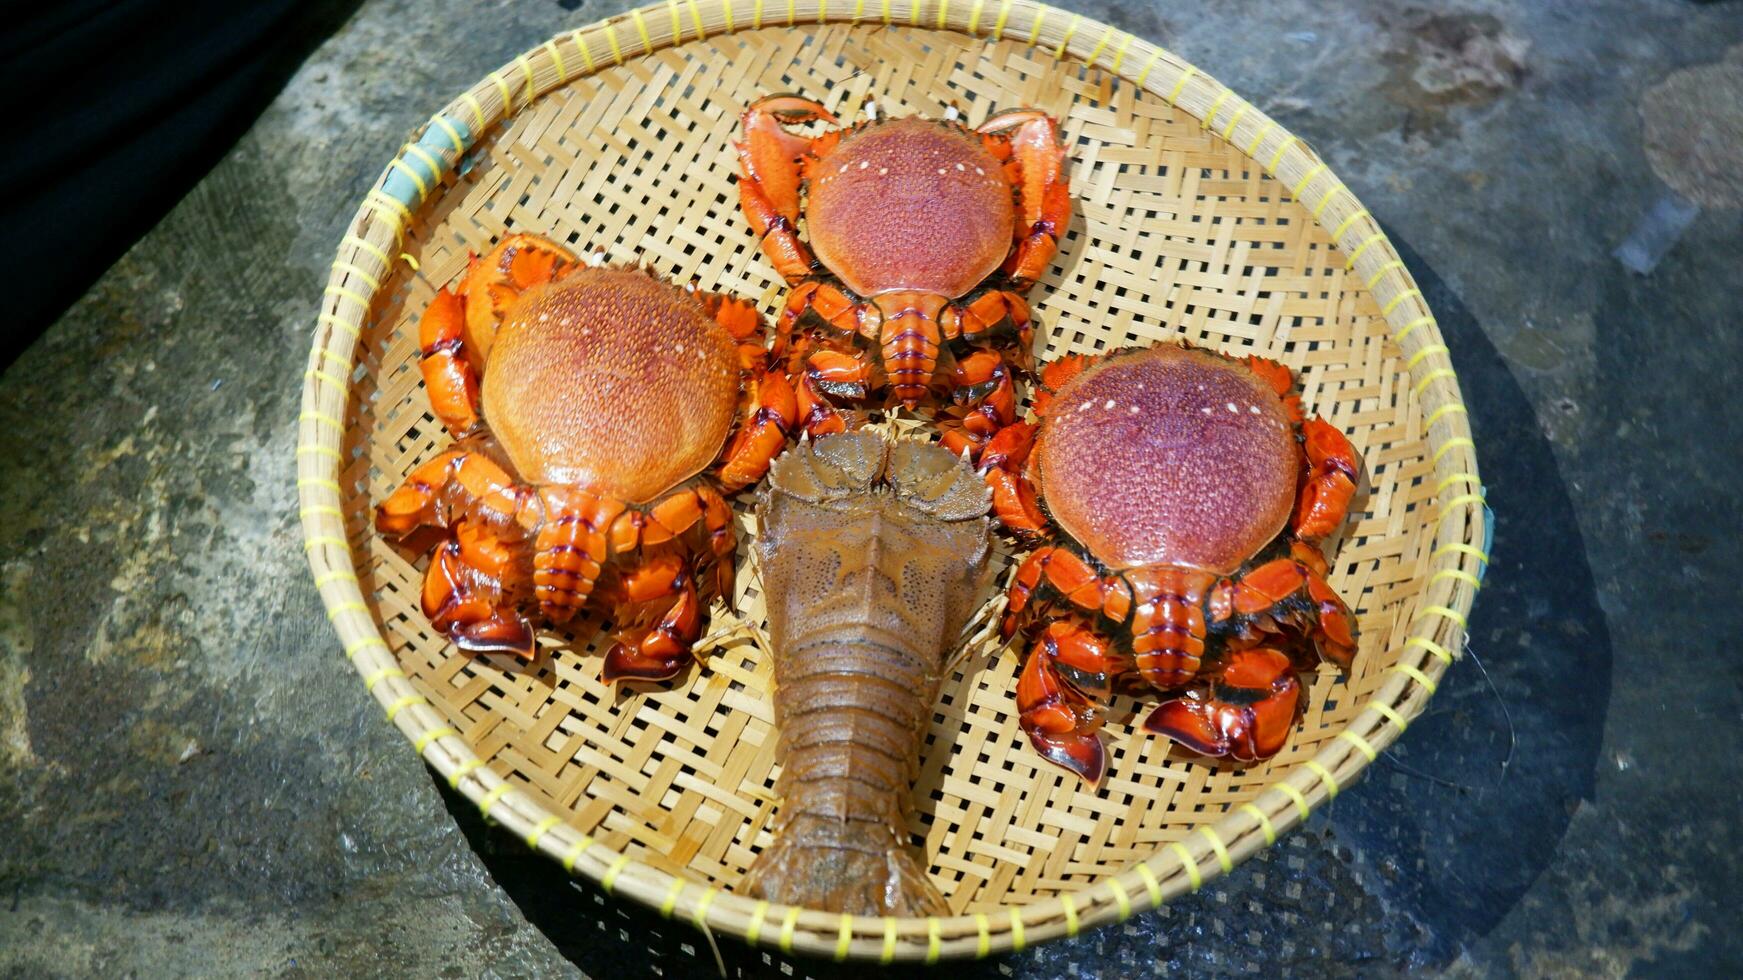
{"x":189,"y":782}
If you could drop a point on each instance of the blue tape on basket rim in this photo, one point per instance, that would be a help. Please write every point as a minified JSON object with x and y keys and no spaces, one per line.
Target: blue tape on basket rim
{"x":1488,"y":533}
{"x":437,"y":138}
{"x":401,"y":186}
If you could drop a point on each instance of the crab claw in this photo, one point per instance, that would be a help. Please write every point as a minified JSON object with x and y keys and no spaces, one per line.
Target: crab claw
{"x":769,"y":175}
{"x":662,"y":651}
{"x":790,"y":108}
{"x":493,"y":283}
{"x":1245,"y":714}
{"x":450,"y":375}
{"x":1295,"y":595}
{"x":1060,"y":721}
{"x":1055,"y":376}
{"x":1043,"y":198}
{"x":761,"y":434}
{"x":461,"y":594}
{"x":1332,"y":464}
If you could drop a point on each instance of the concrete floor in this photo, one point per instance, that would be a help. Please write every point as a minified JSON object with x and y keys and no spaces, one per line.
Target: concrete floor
{"x":192,"y":783}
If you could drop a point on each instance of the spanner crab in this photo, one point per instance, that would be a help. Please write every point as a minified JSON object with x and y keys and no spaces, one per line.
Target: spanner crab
{"x":589,"y":405}
{"x":925,"y":235}
{"x":1177,"y":500}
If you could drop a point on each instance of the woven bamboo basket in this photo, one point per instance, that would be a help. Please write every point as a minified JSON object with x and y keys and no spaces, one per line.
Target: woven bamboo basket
{"x":1195,"y":216}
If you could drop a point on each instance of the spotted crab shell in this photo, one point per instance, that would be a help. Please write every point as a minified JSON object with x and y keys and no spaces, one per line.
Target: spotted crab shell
{"x":1170,"y":455}
{"x":910,"y":204}
{"x":613,"y":379}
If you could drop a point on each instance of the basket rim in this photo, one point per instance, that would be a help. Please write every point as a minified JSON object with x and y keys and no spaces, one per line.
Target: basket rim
{"x":1435,"y":637}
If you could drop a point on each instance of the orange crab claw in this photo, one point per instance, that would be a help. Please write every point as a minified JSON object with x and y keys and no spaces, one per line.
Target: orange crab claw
{"x":492,"y":284}
{"x":981,"y":386}
{"x":1043,"y":197}
{"x":769,"y":175}
{"x":450,"y":377}
{"x":1281,"y":380}
{"x":790,"y":108}
{"x":1054,"y":377}
{"x":1330,"y":481}
{"x":1245,"y":714}
{"x":661,"y":651}
{"x":461,"y":600}
{"x":762,"y":433}
{"x":1061,"y":723}
{"x":742,"y":320}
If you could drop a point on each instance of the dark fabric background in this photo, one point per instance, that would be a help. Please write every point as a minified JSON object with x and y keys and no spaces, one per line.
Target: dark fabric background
{"x":114,"y":110}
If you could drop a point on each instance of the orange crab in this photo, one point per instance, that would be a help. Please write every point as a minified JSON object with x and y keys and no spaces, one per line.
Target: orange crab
{"x":609,"y":393}
{"x":1177,"y":499}
{"x":926,"y":234}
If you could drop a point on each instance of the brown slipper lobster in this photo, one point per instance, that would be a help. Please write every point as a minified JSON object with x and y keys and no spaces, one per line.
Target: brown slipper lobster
{"x":873,"y":556}
{"x":1177,"y":498}
{"x":589,"y":405}
{"x":925,"y":234}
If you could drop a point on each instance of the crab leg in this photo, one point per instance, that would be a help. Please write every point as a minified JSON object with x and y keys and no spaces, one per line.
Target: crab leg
{"x":1244,"y":713}
{"x":829,"y":375}
{"x":1001,"y":465}
{"x":981,"y":387}
{"x":1288,"y":594}
{"x":458,"y":482}
{"x":744,"y":323}
{"x":827,"y":301}
{"x":465,"y":594}
{"x":449,"y":375}
{"x":768,"y":418}
{"x":675,"y":517}
{"x":722,"y":541}
{"x":1330,"y":480}
{"x":1052,"y":707}
{"x":659,"y":650}
{"x":769,"y":174}
{"x":824,"y":364}
{"x":413,"y":505}
{"x":1062,"y":573}
{"x":767,"y":409}
{"x":1037,"y":169}
{"x":979,"y":321}
{"x":494,"y":282}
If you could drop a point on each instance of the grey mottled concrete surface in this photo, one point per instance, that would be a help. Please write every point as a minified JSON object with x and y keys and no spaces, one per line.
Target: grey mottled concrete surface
{"x":191,"y":782}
